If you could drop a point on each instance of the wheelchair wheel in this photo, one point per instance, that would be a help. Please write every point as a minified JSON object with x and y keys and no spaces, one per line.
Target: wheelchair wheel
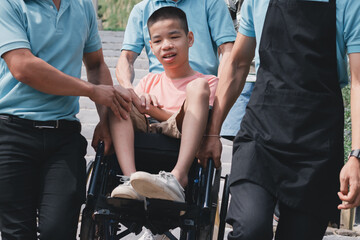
{"x":87,"y":229}
{"x":88,"y":226}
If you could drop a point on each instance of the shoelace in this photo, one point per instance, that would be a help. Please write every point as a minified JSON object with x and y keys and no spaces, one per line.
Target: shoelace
{"x":124,"y":179}
{"x":165,"y":175}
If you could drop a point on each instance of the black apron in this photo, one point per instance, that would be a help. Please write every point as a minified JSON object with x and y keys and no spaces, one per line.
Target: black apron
{"x":291,"y":137}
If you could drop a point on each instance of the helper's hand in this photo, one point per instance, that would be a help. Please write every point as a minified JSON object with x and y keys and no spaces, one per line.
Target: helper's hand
{"x":350,"y":184}
{"x":117,"y":98}
{"x":210,"y":147}
{"x":102,"y":133}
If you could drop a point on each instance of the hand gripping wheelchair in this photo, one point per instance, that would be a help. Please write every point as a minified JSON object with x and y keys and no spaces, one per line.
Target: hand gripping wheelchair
{"x":114,"y":218}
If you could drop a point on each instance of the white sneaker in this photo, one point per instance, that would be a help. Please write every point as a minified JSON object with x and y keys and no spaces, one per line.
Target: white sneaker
{"x":161,"y":186}
{"x":125,"y":190}
{"x":149,"y":236}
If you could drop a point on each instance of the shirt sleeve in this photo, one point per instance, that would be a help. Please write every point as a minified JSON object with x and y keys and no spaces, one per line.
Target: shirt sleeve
{"x":220,"y":22}
{"x":352,"y":26}
{"x":12,"y":27}
{"x":246,"y":19}
{"x":93,"y":42}
{"x":134,"y":37}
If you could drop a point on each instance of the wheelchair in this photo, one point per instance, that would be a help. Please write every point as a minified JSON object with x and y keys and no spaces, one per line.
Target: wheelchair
{"x":107,"y":218}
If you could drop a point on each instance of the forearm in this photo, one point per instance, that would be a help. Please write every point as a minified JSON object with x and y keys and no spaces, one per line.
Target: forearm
{"x":100,"y":75}
{"x":158,"y":113}
{"x":355,"y":99}
{"x":230,"y":85}
{"x":235,"y":69}
{"x":125,"y":72}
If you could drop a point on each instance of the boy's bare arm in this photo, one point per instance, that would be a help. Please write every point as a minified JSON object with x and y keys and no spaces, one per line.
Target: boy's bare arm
{"x":154,"y":111}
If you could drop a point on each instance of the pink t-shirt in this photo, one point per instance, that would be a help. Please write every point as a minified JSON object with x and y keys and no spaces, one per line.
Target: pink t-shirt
{"x":172,"y":93}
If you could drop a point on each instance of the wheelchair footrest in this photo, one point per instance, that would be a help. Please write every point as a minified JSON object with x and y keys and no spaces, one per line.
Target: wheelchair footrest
{"x":155,"y":214}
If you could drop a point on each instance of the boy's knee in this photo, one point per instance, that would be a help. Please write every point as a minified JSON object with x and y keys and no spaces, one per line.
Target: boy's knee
{"x":198,"y":87}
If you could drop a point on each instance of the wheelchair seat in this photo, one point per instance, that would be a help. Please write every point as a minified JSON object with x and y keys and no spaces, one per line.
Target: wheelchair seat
{"x":106,"y":218}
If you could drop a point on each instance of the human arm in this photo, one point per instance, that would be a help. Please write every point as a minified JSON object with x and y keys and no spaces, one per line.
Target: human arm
{"x":38,"y":74}
{"x":125,"y":68}
{"x":145,"y":105}
{"x":231,"y":83}
{"x":350,"y":174}
{"x":98,"y":73}
{"x":224,"y":51}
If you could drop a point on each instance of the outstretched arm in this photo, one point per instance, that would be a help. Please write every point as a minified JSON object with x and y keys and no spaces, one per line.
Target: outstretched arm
{"x":350,"y":173}
{"x":125,"y":68}
{"x":40,"y":75}
{"x":231,"y":83}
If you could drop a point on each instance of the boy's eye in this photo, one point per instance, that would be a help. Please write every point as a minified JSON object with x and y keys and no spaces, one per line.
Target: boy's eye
{"x":173,"y":37}
{"x":156,"y":41}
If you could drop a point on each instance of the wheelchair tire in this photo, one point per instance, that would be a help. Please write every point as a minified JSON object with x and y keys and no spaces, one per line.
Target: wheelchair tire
{"x":88,"y":226}
{"x":87,"y":229}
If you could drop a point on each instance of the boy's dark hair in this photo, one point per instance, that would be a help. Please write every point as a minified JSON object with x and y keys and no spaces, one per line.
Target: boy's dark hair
{"x":169,"y":13}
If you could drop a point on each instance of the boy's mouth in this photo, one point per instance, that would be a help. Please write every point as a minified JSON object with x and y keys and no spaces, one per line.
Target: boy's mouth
{"x":170,"y":55}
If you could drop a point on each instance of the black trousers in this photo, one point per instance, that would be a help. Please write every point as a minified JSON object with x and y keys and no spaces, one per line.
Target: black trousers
{"x":251,"y":215}
{"x":42,"y":177}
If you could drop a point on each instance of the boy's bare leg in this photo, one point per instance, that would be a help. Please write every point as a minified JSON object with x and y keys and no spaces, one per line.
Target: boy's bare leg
{"x":193,"y":126}
{"x":122,"y":134}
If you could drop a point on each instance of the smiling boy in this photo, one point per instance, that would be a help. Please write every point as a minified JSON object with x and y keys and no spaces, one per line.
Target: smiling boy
{"x":178,"y":98}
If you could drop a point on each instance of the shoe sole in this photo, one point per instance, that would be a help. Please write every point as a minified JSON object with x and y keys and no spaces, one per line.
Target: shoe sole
{"x":143,"y":184}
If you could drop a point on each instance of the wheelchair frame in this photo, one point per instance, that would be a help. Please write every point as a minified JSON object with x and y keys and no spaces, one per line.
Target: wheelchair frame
{"x":104,"y":217}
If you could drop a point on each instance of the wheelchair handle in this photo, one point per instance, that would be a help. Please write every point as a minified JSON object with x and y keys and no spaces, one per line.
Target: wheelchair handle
{"x":209,"y":177}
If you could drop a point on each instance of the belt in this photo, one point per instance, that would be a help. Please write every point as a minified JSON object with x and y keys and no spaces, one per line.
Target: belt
{"x":56,"y":124}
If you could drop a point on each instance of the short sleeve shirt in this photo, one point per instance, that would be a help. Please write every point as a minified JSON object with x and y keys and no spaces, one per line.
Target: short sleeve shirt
{"x":209,"y":20}
{"x":253,"y":14}
{"x":172,"y":93}
{"x":60,"y":38}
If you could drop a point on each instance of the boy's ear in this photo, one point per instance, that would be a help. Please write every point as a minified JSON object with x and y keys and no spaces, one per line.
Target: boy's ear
{"x":190,"y":37}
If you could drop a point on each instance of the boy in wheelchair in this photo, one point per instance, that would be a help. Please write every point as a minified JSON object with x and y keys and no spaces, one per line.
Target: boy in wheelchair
{"x":177,"y":98}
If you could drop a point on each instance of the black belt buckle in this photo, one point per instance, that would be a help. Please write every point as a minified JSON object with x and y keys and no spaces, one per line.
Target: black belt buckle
{"x":47,"y":125}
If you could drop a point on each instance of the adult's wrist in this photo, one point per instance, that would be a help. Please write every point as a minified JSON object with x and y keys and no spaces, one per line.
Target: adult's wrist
{"x":355,"y":153}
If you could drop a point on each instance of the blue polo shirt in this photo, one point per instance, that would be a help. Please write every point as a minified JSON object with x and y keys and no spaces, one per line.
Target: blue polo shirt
{"x":347,"y":29}
{"x":209,"y":20}
{"x":58,"y":37}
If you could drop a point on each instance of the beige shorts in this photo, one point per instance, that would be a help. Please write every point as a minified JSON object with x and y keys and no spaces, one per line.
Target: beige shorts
{"x":169,"y":127}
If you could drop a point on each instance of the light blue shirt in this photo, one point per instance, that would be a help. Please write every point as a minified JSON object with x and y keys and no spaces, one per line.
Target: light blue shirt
{"x":347,"y":29}
{"x":58,"y":37}
{"x":209,"y":20}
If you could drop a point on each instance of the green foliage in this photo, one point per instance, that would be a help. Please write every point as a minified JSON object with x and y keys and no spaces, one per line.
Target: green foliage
{"x":347,"y":116}
{"x":115,"y":13}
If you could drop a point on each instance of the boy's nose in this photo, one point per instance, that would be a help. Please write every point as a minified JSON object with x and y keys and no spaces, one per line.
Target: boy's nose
{"x":167,"y":44}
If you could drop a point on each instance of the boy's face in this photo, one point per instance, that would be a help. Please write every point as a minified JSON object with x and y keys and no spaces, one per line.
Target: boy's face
{"x":169,"y":43}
